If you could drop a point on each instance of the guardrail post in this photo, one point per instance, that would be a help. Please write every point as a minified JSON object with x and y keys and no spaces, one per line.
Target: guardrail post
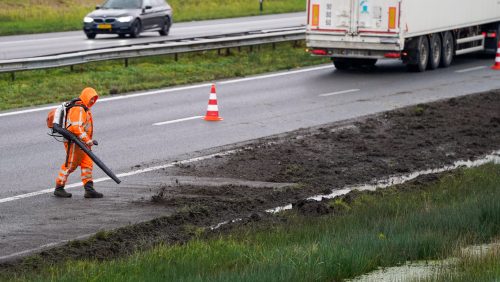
{"x":251,"y":48}
{"x":13,"y":76}
{"x":71,"y":68}
{"x":218,"y":52}
{"x":274,"y":46}
{"x":126,"y":63}
{"x":176,"y":57}
{"x":261,"y":6}
{"x":228,"y":51}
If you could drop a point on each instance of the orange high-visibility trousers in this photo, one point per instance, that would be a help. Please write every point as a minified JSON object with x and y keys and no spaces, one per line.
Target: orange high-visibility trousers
{"x":76,"y":158}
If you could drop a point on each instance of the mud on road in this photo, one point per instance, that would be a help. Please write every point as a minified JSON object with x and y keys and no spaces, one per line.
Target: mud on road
{"x":283,"y":169}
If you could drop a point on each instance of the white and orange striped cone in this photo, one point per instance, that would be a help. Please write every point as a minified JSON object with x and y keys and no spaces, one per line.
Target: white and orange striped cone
{"x":496,"y":66}
{"x":213,"y":108}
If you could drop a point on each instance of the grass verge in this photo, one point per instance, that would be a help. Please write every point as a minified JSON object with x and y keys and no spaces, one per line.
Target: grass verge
{"x":35,"y":16}
{"x":33,"y":88}
{"x":372,"y":229}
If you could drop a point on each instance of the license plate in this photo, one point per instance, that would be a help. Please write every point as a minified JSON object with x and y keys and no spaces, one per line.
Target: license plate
{"x":104,"y":26}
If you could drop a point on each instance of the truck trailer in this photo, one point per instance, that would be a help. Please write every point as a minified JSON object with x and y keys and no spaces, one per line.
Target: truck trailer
{"x":424,"y":34}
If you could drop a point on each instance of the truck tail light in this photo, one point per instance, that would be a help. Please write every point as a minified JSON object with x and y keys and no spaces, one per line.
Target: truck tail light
{"x":490,"y":34}
{"x":392,"y":55}
{"x":319,"y":52}
{"x":315,"y":15}
{"x":392,"y":17}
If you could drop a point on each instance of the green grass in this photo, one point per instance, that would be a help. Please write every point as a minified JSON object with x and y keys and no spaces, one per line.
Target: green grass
{"x":56,"y":85}
{"x":35,"y":16}
{"x":382,"y":229}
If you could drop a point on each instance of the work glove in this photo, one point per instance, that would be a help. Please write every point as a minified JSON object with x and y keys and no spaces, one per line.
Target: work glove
{"x":90,"y":143}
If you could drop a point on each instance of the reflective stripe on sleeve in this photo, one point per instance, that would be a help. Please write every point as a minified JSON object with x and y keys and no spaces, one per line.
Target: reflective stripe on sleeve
{"x":70,"y":123}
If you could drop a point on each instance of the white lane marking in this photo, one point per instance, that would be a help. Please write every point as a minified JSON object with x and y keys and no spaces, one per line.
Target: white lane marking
{"x":28,"y":111}
{"x":177,"y":120}
{"x":41,"y":39}
{"x":172,"y":90}
{"x":274,"y":75}
{"x":126,"y":174}
{"x":339,"y":92}
{"x":154,"y":92}
{"x":471,"y":69}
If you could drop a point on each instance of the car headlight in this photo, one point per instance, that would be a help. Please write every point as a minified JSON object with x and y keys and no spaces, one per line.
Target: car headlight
{"x":88,"y":20}
{"x":125,"y":19}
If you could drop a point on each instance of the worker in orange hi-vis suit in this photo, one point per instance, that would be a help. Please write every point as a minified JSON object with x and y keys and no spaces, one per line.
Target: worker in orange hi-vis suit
{"x":79,"y":122}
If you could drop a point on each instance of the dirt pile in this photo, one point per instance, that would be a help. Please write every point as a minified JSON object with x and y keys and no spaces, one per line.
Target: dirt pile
{"x":401,"y":141}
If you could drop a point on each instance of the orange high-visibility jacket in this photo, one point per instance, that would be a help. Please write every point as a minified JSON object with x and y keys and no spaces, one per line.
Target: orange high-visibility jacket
{"x":78,"y":120}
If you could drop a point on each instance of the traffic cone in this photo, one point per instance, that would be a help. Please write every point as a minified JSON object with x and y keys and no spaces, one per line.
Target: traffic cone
{"x":496,"y":66}
{"x":213,"y":108}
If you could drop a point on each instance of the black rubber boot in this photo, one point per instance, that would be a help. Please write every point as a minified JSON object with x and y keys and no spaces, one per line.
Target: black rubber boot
{"x":61,"y":193}
{"x":90,"y":192}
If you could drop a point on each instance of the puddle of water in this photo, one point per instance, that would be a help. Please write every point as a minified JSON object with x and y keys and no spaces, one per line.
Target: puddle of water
{"x":408,"y":272}
{"x":217,"y":226}
{"x":280,"y":209}
{"x":415,"y":271}
{"x":411,"y":271}
{"x":480,"y":250}
{"x":400,"y":179}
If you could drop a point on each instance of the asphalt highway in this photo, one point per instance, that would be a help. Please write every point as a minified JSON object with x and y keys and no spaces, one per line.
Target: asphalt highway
{"x":24,"y":46}
{"x":154,"y":128}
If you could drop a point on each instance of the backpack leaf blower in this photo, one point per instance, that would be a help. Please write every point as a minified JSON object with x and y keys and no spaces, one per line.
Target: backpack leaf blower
{"x":54,"y":121}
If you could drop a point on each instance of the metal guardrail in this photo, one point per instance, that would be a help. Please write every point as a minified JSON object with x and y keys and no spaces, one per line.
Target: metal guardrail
{"x":155,"y":49}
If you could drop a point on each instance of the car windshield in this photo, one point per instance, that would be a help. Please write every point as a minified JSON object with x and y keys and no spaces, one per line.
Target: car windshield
{"x":122,"y":4}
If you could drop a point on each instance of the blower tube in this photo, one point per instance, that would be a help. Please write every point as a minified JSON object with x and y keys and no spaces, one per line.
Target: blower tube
{"x":71,"y":137}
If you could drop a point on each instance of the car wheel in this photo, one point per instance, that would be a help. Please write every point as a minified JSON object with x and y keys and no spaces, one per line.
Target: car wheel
{"x":90,"y":35}
{"x":166,"y":27}
{"x":136,"y":29}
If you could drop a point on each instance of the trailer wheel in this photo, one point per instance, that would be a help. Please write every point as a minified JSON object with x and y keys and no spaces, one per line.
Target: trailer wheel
{"x":421,"y":55}
{"x":448,"y":50}
{"x":435,"y":48}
